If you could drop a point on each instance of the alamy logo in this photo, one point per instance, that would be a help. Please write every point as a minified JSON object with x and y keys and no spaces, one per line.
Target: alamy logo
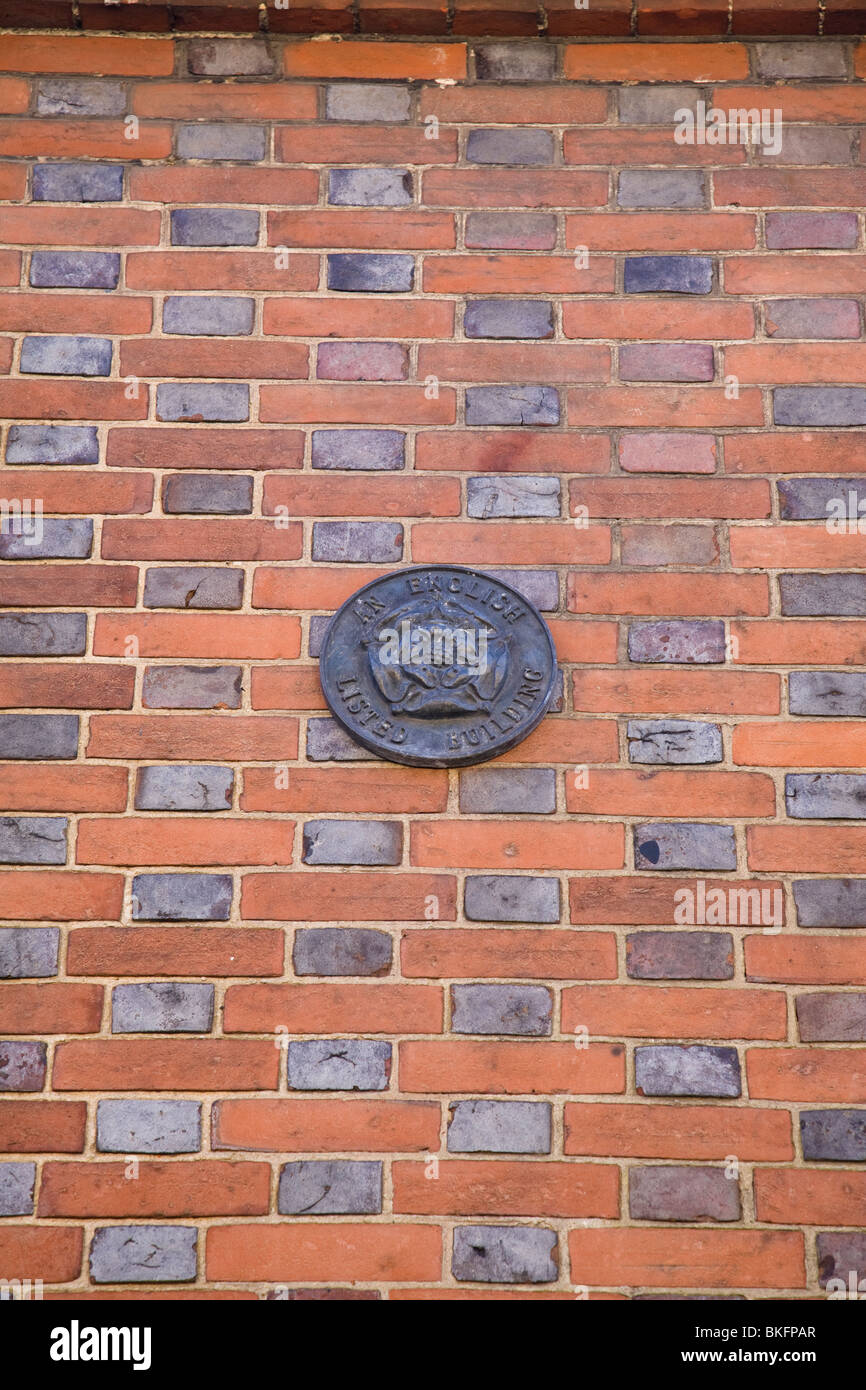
{"x":19,"y":516}
{"x":739,"y":126}
{"x":721,"y":907}
{"x":424,"y":644}
{"x":77,"y":1343}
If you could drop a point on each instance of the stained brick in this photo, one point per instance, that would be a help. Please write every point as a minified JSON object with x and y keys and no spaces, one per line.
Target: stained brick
{"x":369,"y":188}
{"x":162,"y":1008}
{"x":512,"y":405}
{"x":52,"y":444}
{"x":22,"y":1065}
{"x":661,"y":188}
{"x":813,"y":318}
{"x":519,"y":1010}
{"x":352,"y":842}
{"x":823,"y":595}
{"x":122,"y":1254}
{"x":341,"y":951}
{"x":680,"y":642}
{"x":839,"y":1254}
{"x":181,"y":897}
{"x":33,"y":839}
{"x":194,"y":401}
{"x":79,"y":96}
{"x":496,"y":898}
{"x":77,"y":183}
{"x":227,"y":57}
{"x":826,"y":795}
{"x":678,"y":274}
{"x":43,"y":634}
{"x":827,"y":692}
{"x":673,"y":741}
{"x":678,"y":845}
{"x":328,"y":741}
{"x":513,"y":495}
{"x":687,"y":1071}
{"x":379,"y":274}
{"x":831,"y":1017}
{"x":58,"y":356}
{"x":824,"y":231}
{"x":17,"y":1183}
{"x":198,"y":788}
{"x":690,"y":955}
{"x":514,"y":62}
{"x":189,"y":587}
{"x":504,"y":1254}
{"x":508,"y":789}
{"x":666,"y":362}
{"x":59,"y":540}
{"x":819,"y":405}
{"x":357,"y":541}
{"x":830,"y":902}
{"x":29,"y":952}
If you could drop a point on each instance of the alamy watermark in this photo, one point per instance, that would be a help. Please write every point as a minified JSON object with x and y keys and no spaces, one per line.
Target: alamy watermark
{"x":739,"y":126}
{"x":728,"y":906}
{"x":423,"y":644}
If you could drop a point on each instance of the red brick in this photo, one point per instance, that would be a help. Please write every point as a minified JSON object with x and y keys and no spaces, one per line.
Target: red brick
{"x":810,"y":1196}
{"x":286,"y":687}
{"x":374,"y":61}
{"x":396,"y":229}
{"x":814,"y":960}
{"x":827,"y":849}
{"x":59,"y":895}
{"x":642,"y":901}
{"x":50,"y":1008}
{"x":335,"y":143}
{"x":379,"y":1007}
{"x":674,"y":1011}
{"x":50,"y":1253}
{"x":167,"y":539}
{"x":504,"y":543}
{"x":538,"y":103}
{"x":183,"y":840}
{"x":69,"y":492}
{"x":496,"y":274}
{"x":42,"y":1126}
{"x":42,"y":224}
{"x":198,"y":737}
{"x":663,"y":406}
{"x":203,"y":1187}
{"x":288,"y":1125}
{"x":207,"y":357}
{"x":45,"y":586}
{"x":514,"y":188}
{"x":210,"y":951}
{"x":71,"y":139}
{"x":318,"y":1252}
{"x":686,"y":692}
{"x":465,"y":953}
{"x":677,"y":595}
{"x":669,"y":62}
{"x":824,"y":1075}
{"x":703,"y":1259}
{"x":356,"y":318}
{"x":333,"y":897}
{"x":489,"y":844}
{"x":651,"y":319}
{"x":362,"y":496}
{"x":44,"y":312}
{"x":641,"y":1129}
{"x":38,"y":398}
{"x":224,"y":636}
{"x":233,"y":100}
{"x":525,"y":362}
{"x":322,"y":403}
{"x":58,"y":685}
{"x":83,"y":54}
{"x":512,"y":1068}
{"x":659,"y":792}
{"x":218,"y":270}
{"x":664,"y":497}
{"x":160,"y":446}
{"x":658,"y":231}
{"x":197,"y":1064}
{"x":382,"y":788}
{"x":466,"y":1187}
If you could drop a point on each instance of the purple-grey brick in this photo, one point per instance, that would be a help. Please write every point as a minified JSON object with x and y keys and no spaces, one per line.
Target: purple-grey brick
{"x":687,"y":1071}
{"x":504,"y":1254}
{"x":193,"y":587}
{"x":354,"y":542}
{"x":819,"y":405}
{"x":511,"y":898}
{"x":683,"y":845}
{"x":369,"y":188}
{"x":29,"y":953}
{"x":370,"y":272}
{"x":209,"y":316}
{"x":43,"y":634}
{"x":22,"y":1065}
{"x":203,"y":400}
{"x":319,"y":624}
{"x":801,"y":58}
{"x":823,"y":595}
{"x":508,"y":318}
{"x":17,"y":1184}
{"x":60,"y":356}
{"x":813,"y":318}
{"x":166,"y":1006}
{"x":62,"y":538}
{"x":512,"y":405}
{"x":221,"y":140}
{"x":686,"y":641}
{"x":339,"y":1064}
{"x":511,"y":231}
{"x":52,"y":444}
{"x":680,"y":955}
{"x":328,"y":741}
{"x":833,"y":1136}
{"x":832,"y":1017}
{"x":192,"y":687}
{"x":673,"y":741}
{"x":181,"y":897}
{"x":81,"y":270}
{"x":805,"y":231}
{"x":817,"y":499}
{"x":490,"y":790}
{"x":77,"y":183}
{"x":148,"y":1126}
{"x":330,"y":1187}
{"x":367,"y":101}
{"x":365,"y":842}
{"x":682,"y":1193}
{"x":80,"y":96}
{"x":655,"y":105}
{"x":136,"y":1254}
{"x":512,"y":1010}
{"x":38,"y":736}
{"x":228,"y":494}
{"x":228,"y":57}
{"x":214,"y":227}
{"x":33,"y":839}
{"x":499,"y":1126}
{"x":830,"y":902}
{"x":661,"y":188}
{"x":515,"y":145}
{"x":668,"y":274}
{"x":841,"y":1254}
{"x":341,"y":951}
{"x":827,"y":693}
{"x":360,"y":450}
{"x":541,"y":587}
{"x":178,"y":788}
{"x":515,"y":62}
{"x":666,"y":362}
{"x":513,"y":494}
{"x":826,"y":795}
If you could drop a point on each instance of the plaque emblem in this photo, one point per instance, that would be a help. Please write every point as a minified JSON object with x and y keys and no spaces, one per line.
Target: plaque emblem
{"x":438,"y":666}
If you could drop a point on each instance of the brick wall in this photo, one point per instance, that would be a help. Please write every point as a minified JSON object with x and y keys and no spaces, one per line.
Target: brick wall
{"x":280,"y":315}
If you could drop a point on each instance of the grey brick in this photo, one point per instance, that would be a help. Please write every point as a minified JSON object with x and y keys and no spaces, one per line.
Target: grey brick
{"x":214,"y":227}
{"x":52,"y":444}
{"x":361,"y":450}
{"x":79,"y":96}
{"x":63,"y":538}
{"x":164,"y":1007}
{"x":661,"y":188}
{"x":514,"y":1010}
{"x":370,"y":272}
{"x":339,"y":1064}
{"x":327,"y":741}
{"x":487,"y":790}
{"x":17,"y":1184}
{"x":817,"y":499}
{"x":513,"y":494}
{"x":801,"y":58}
{"x":514,"y":145}
{"x":673,"y":741}
{"x":352,"y":842}
{"x":54,"y":355}
{"x":504,"y":1254}
{"x":682,"y":845}
{"x":367,"y":101}
{"x":512,"y":405}
{"x":511,"y":898}
{"x":143,"y":1254}
{"x":819,"y":405}
{"x":511,"y":231}
{"x":22,"y":1065}
{"x":28,"y":953}
{"x":193,"y":587}
{"x":77,"y":183}
{"x":208,"y":316}
{"x":221,"y":140}
{"x":679,"y":955}
{"x":827,"y":692}
{"x":192,"y":687}
{"x":687,"y":1071}
{"x":319,"y":624}
{"x":666,"y":362}
{"x":508,"y":318}
{"x":181,"y":897}
{"x":826,"y":795}
{"x":841,"y":1254}
{"x":377,"y":542}
{"x":813,"y":318}
{"x":823,"y":231}
{"x":823,"y":595}
{"x":83,"y":270}
{"x":687,"y":641}
{"x":38,"y":736}
{"x":229,"y":494}
{"x":515,"y":62}
{"x":831,"y":1017}
{"x":228,"y":57}
{"x":541,"y":587}
{"x":499,"y":1127}
{"x":833,"y":1136}
{"x":148,"y":1126}
{"x":33,"y":839}
{"x":655,"y":105}
{"x":682,"y":1193}
{"x":668,"y":274}
{"x":203,"y":400}
{"x":330,"y":1187}
{"x":830,"y":902}
{"x":179,"y":788}
{"x":43,"y":634}
{"x":369,"y":188}
{"x":341,"y":951}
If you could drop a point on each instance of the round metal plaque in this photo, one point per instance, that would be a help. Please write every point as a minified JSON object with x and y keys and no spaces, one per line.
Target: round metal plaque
{"x":438,"y":666}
